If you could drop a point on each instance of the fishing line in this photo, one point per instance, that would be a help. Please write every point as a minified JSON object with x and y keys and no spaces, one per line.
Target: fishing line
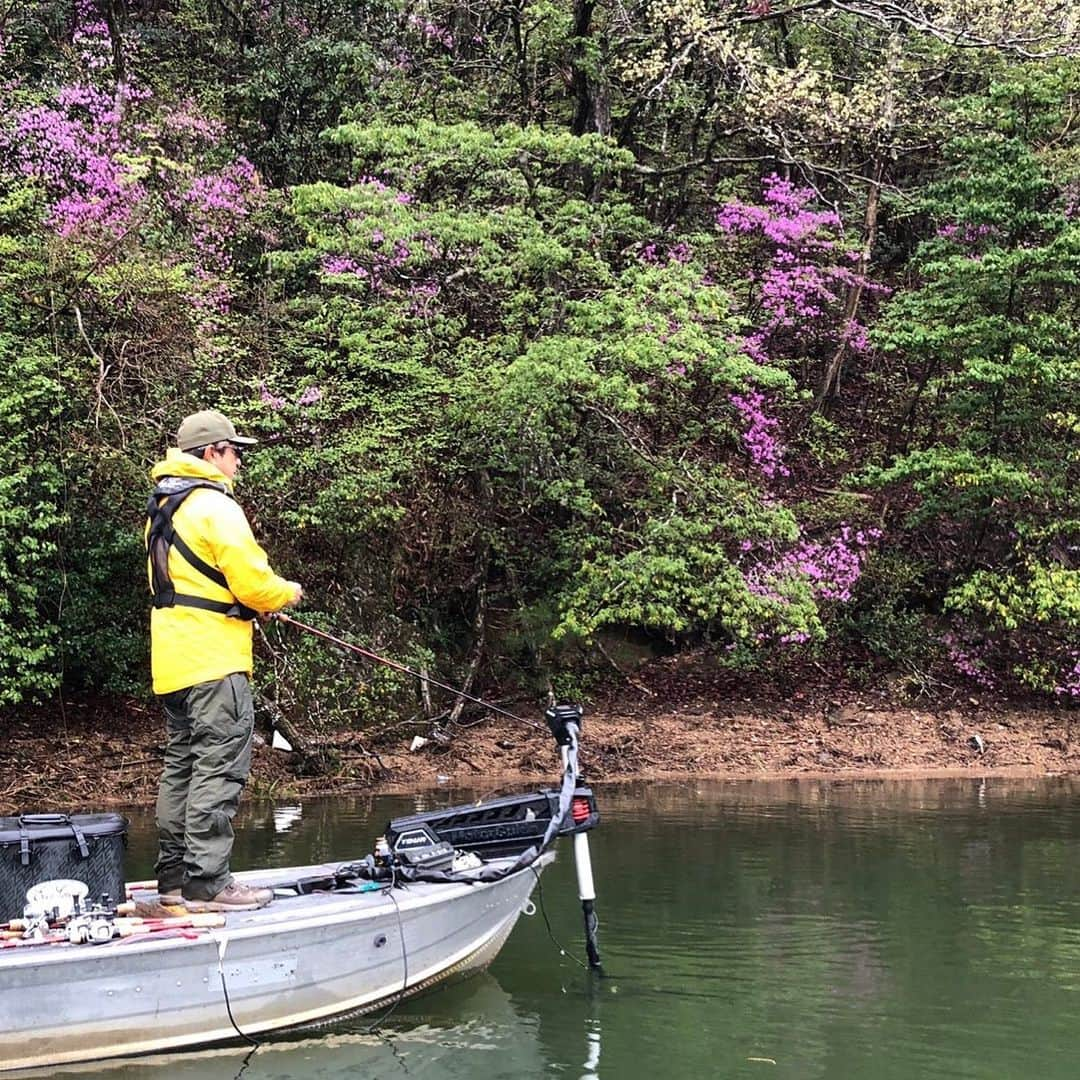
{"x":280,"y":616}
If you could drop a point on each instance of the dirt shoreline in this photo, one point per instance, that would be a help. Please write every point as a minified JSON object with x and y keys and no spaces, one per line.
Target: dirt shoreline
{"x":88,"y":757}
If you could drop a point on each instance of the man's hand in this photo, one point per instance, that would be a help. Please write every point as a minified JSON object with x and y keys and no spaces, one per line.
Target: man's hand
{"x":297,"y":596}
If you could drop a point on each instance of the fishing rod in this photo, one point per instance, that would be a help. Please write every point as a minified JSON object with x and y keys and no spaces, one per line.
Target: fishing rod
{"x":280,"y":616}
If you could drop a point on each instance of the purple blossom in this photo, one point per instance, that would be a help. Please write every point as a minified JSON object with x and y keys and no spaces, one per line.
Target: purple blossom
{"x":967,"y":235}
{"x":378,"y":269}
{"x":217,"y":204}
{"x":797,"y":292}
{"x":73,"y":148}
{"x":760,"y":436}
{"x":87,"y":149}
{"x":1071,"y":197}
{"x":432,"y":31}
{"x":421,"y":296}
{"x":274,"y":402}
{"x":680,"y":252}
{"x":184,"y":121}
{"x":1070,"y":685}
{"x":310,"y":396}
{"x":968,"y":657}
{"x":342,"y":264}
{"x":830,"y":569}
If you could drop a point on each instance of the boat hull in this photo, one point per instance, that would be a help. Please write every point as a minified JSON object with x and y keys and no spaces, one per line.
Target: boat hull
{"x":301,"y":960}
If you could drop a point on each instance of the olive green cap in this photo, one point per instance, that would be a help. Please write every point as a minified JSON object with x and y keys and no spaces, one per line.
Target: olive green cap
{"x":206,"y":428}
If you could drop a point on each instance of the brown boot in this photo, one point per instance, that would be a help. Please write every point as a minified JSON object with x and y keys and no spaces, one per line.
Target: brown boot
{"x":234,"y":897}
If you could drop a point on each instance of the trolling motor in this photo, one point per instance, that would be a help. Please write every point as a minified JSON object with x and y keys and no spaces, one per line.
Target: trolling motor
{"x":565,"y":724}
{"x":424,"y":846}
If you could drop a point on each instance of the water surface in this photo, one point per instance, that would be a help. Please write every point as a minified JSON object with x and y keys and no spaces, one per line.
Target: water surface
{"x":882,"y":929}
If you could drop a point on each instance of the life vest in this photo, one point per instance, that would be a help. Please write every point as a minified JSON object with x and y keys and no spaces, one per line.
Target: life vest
{"x":162,"y":537}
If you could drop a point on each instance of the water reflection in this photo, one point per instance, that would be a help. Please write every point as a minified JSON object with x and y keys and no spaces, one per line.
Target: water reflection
{"x":477,"y":1032}
{"x":592,"y":1050}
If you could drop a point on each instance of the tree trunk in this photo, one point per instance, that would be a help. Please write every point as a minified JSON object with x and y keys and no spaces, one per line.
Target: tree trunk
{"x":115,"y":13}
{"x":479,"y":641}
{"x":592,"y":109}
{"x":830,"y":380}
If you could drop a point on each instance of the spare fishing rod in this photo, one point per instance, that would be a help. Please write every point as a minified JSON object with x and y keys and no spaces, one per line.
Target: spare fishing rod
{"x":564,"y":723}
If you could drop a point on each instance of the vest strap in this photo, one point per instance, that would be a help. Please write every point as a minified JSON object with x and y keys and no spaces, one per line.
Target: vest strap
{"x":162,"y":537}
{"x":235,"y":610}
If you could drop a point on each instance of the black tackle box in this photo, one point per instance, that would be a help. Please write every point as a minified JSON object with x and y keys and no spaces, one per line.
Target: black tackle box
{"x":44,"y":847}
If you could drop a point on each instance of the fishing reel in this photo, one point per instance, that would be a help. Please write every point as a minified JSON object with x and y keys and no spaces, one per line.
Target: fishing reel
{"x":94,"y":924}
{"x":63,"y":905}
{"x":94,"y":929}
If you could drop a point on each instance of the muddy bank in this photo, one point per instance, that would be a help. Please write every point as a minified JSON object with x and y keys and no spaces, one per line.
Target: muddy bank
{"x":677,"y":725}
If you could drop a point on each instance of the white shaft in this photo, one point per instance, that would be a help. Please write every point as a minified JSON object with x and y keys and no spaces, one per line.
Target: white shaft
{"x":583,"y":863}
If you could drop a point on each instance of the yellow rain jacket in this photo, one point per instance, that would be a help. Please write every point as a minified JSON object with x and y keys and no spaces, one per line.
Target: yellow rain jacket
{"x":189,"y":645}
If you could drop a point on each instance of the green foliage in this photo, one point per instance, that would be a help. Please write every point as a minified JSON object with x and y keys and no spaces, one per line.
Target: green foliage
{"x":556,"y":429}
{"x":301,"y":677}
{"x":890,"y":620}
{"x":31,"y":478}
{"x":992,"y":334}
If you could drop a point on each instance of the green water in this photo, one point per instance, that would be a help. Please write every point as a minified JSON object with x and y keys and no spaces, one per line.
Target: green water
{"x":881,"y":930}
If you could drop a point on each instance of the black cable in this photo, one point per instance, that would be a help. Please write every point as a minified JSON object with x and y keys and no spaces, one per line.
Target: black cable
{"x":389,"y":892}
{"x":547,"y":921}
{"x":247,"y":1061}
{"x":253,"y":1043}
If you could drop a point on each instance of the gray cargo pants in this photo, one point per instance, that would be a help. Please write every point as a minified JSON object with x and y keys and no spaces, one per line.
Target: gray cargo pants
{"x":207,"y":761}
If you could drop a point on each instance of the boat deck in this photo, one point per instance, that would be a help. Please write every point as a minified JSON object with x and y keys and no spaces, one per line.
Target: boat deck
{"x":288,"y":911}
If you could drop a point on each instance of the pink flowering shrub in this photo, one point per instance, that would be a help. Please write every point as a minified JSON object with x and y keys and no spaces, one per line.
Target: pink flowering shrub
{"x":801,"y":267}
{"x":431,"y":31}
{"x":656,"y":255}
{"x":828,"y":570}
{"x":94,"y":148}
{"x":969,"y":657}
{"x":1070,"y":683}
{"x":74,"y":147}
{"x":383,"y":246}
{"x":761,"y":437}
{"x":217,"y":204}
{"x":799,"y":271}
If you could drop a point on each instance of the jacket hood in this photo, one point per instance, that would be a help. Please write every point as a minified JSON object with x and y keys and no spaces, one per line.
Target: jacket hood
{"x":178,"y":463}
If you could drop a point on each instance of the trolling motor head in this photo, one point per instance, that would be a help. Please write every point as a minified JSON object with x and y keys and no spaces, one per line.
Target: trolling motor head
{"x":559,"y":717}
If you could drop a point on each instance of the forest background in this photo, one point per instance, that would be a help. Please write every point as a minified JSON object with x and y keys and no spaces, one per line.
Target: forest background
{"x":572,"y":330}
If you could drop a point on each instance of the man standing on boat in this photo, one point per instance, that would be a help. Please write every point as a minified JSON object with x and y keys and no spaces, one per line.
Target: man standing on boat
{"x":209,"y":579}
